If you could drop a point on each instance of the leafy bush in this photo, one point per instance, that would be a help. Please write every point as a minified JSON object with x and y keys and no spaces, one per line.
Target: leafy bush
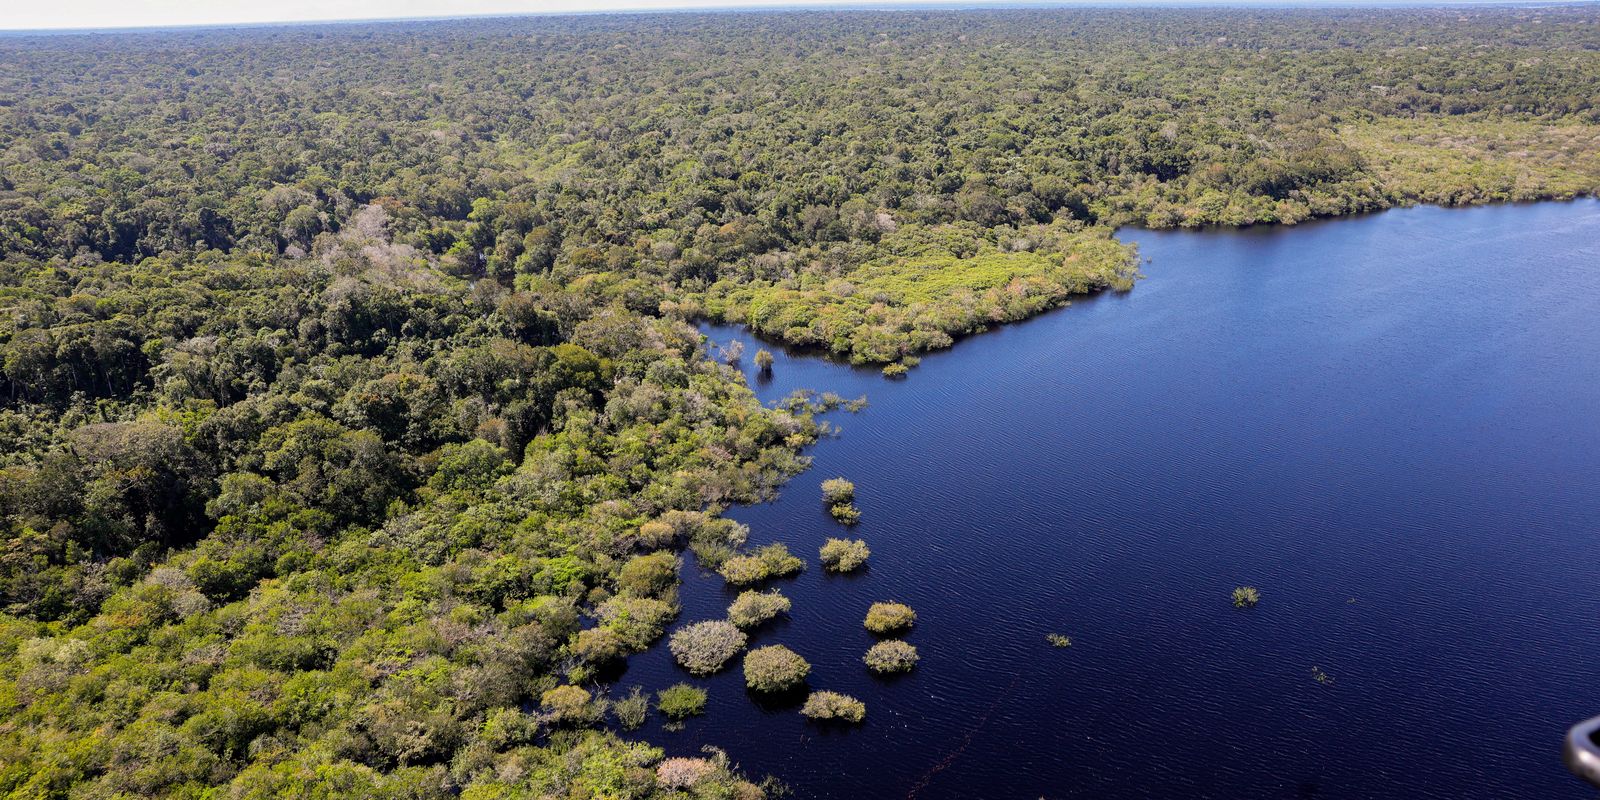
{"x":648,"y":575}
{"x":771,"y":561}
{"x":636,"y":621}
{"x":631,"y":710}
{"x":844,"y":555}
{"x":774,"y":668}
{"x":705,"y":647}
{"x":889,"y":617}
{"x":834,"y":706}
{"x":845,"y":513}
{"x":838,"y":490}
{"x":1246,"y":596}
{"x":680,"y":701}
{"x":568,"y":705}
{"x":1058,"y":640}
{"x":891,"y":656}
{"x":598,"y":646}
{"x":752,"y":608}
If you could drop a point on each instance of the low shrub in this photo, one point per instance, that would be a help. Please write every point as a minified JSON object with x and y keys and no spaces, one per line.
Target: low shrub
{"x":845,"y":513}
{"x":771,"y":561}
{"x":1246,"y":596}
{"x":844,"y":555}
{"x":753,"y":608}
{"x":774,"y":668}
{"x":834,"y":706}
{"x":568,"y":705}
{"x":890,"y":617}
{"x":631,"y":710}
{"x":682,"y":774}
{"x":838,"y":490}
{"x":637,"y":621}
{"x":705,"y":647}
{"x":648,"y":575}
{"x":1058,"y":640}
{"x":597,"y":646}
{"x":681,"y":701}
{"x":891,"y":656}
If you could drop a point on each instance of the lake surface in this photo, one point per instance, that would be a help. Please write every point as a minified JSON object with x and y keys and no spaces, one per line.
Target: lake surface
{"x":1389,"y":424}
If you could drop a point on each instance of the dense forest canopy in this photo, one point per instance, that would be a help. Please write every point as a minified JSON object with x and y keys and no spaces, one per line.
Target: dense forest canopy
{"x":350,"y":420}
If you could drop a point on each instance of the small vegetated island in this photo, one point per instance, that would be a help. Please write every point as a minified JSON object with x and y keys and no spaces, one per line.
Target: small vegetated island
{"x":351,"y":421}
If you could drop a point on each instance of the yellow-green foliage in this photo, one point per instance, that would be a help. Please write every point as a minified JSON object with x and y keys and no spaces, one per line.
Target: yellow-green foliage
{"x":928,"y":285}
{"x":1463,"y":161}
{"x":889,"y":617}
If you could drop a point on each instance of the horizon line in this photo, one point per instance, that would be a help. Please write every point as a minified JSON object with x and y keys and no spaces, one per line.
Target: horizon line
{"x":745,"y":6}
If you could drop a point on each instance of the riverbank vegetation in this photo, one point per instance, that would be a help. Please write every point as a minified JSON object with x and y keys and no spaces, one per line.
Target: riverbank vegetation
{"x":350,"y":420}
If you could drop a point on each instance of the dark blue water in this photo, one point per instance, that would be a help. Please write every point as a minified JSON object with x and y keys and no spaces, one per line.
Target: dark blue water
{"x":1391,"y":425}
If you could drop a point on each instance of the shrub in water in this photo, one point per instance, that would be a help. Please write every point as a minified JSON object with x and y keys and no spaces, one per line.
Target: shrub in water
{"x":838,"y":490}
{"x":774,"y":668}
{"x":704,"y":647}
{"x":631,"y":710}
{"x":844,"y":555}
{"x":890,"y":617}
{"x":1246,"y":596}
{"x":680,"y":701}
{"x":598,"y":646}
{"x":845,"y":513}
{"x":637,"y":621}
{"x":771,"y":561}
{"x":753,"y":608}
{"x":648,"y":575}
{"x":890,"y":657}
{"x":832,"y":705}
{"x":568,"y":704}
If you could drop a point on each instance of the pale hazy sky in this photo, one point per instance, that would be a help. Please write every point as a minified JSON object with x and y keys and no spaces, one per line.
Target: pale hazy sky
{"x":24,"y":14}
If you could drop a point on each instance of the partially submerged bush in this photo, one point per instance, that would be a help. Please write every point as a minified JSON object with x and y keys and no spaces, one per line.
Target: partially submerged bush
{"x":891,"y":656}
{"x":713,"y":540}
{"x":764,"y":360}
{"x":771,"y":561}
{"x":598,"y":646}
{"x":774,"y":668}
{"x":838,"y":490}
{"x":637,"y":621}
{"x":839,"y":496}
{"x":680,"y":701}
{"x":679,"y":774}
{"x":705,"y":647}
{"x":648,"y":575}
{"x":895,"y":370}
{"x":1058,"y":640}
{"x":844,"y":555}
{"x":568,"y":705}
{"x":890,"y":617}
{"x":631,"y":710}
{"x":833,"y":705}
{"x":752,"y":608}
{"x":1246,"y":596}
